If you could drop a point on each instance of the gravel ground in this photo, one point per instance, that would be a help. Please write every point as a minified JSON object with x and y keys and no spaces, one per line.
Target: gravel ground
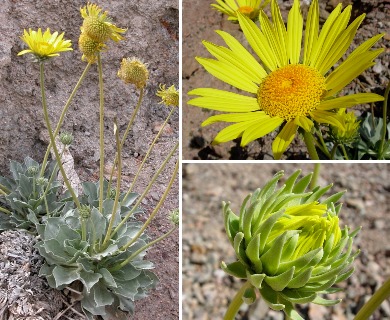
{"x":207,"y":290}
{"x":199,"y":23}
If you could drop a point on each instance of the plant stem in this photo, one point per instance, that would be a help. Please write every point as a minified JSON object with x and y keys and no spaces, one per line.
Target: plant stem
{"x":5,"y":210}
{"x":118,"y":184}
{"x":308,"y":138}
{"x":383,"y":138}
{"x":5,"y":189}
{"x":375,"y":301}
{"x":141,"y":94}
{"x":344,"y":152}
{"x":236,"y":302}
{"x":324,"y":148}
{"x":52,"y":139}
{"x":61,"y":120}
{"x":101,"y":134}
{"x":333,"y":152}
{"x":136,"y":253}
{"x":316,"y":173}
{"x":150,"y":149}
{"x":153,"y":214}
{"x":145,"y":191}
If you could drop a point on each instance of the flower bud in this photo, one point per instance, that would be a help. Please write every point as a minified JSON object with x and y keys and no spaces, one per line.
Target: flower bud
{"x":174,"y":217}
{"x":85,"y":212}
{"x":66,"y":138}
{"x":42,"y":181}
{"x":170,"y":96}
{"x":32,"y":171}
{"x":89,"y":48}
{"x":134,"y":71}
{"x":288,"y":244}
{"x":349,"y":133}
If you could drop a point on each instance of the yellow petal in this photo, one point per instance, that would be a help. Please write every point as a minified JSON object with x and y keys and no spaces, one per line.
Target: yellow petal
{"x":283,"y":139}
{"x":349,"y":101}
{"x":260,"y":129}
{"x":234,"y":117}
{"x":257,"y":41}
{"x":232,"y":132}
{"x":239,"y":49}
{"x":349,"y":70}
{"x":367,"y":45}
{"x":226,"y":73}
{"x":294,"y":33}
{"x":311,"y":31}
{"x":327,"y":117}
{"x":221,"y":100}
{"x":280,"y":30}
{"x":304,"y":122}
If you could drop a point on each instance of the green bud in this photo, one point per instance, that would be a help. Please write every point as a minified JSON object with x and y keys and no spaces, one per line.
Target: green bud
{"x":288,"y":244}
{"x":32,"y":171}
{"x":85,"y":212}
{"x":66,"y":138}
{"x":174,"y":217}
{"x":42,"y":181}
{"x":112,"y":194}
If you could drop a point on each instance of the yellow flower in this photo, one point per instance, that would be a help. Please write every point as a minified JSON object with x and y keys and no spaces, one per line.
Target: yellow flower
{"x":250,"y":8}
{"x":170,"y":96}
{"x":98,"y":26}
{"x":89,"y":48}
{"x":46,"y":45}
{"x":292,"y":89}
{"x":134,"y":71}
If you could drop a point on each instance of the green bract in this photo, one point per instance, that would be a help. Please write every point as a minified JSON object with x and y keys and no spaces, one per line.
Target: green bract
{"x":27,"y":193}
{"x":70,"y":257}
{"x":289,"y":244}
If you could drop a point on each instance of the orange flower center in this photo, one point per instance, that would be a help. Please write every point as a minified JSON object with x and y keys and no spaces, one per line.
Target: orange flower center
{"x":245,"y":10}
{"x":291,"y":91}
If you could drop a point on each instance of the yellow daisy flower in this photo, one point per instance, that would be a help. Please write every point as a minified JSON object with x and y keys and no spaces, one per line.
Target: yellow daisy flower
{"x":170,"y":96}
{"x":46,"y":45}
{"x":98,"y":26}
{"x":290,"y":89}
{"x":250,"y":8}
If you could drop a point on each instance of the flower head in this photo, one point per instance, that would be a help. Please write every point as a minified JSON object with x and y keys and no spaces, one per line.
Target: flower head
{"x":290,"y":89}
{"x":90,"y":48}
{"x":46,"y":45}
{"x":66,"y":138}
{"x":250,"y":8}
{"x":174,"y":217}
{"x":98,"y":26}
{"x":170,"y":96}
{"x":289,"y":245}
{"x":349,"y":133}
{"x":134,"y":71}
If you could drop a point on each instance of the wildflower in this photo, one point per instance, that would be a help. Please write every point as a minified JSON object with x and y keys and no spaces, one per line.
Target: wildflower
{"x":46,"y":45}
{"x":134,"y":71}
{"x":296,"y":90}
{"x":349,"y":133}
{"x":250,"y":8}
{"x":289,"y":245}
{"x":170,"y":96}
{"x":98,"y":26}
{"x":90,"y":48}
{"x":66,"y":138}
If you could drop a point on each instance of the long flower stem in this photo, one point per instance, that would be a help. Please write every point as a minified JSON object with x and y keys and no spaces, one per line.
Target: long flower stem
{"x":236,"y":302}
{"x":52,"y":139}
{"x":118,"y":183}
{"x":308,"y":138}
{"x":344,"y":152}
{"x":153,"y":214}
{"x":62,"y":116}
{"x":101,"y":134}
{"x":136,"y":253}
{"x":5,"y":210}
{"x":152,"y":181}
{"x":333,"y":152}
{"x":316,"y":173}
{"x":141,"y":94}
{"x":150,"y":149}
{"x":375,"y":301}
{"x":383,"y":138}
{"x":324,"y":148}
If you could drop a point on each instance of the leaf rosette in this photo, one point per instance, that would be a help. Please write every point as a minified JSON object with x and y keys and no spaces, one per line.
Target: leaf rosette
{"x":289,"y":245}
{"x":70,"y":258}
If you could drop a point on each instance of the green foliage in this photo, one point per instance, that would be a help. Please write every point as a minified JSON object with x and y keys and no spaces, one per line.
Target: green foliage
{"x":288,"y":243}
{"x":73,"y":250}
{"x":370,"y":132}
{"x":29,"y":194}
